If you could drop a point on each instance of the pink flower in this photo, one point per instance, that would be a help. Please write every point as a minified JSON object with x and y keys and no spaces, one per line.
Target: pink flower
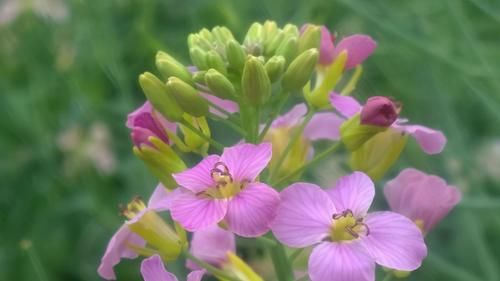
{"x":124,"y":240}
{"x":349,"y":242}
{"x":228,"y":105}
{"x":153,"y":269}
{"x":358,"y":47}
{"x":145,"y":122}
{"x":379,"y":111}
{"x":224,"y":189}
{"x":425,"y":199}
{"x":430,"y":140}
{"x":211,"y":245}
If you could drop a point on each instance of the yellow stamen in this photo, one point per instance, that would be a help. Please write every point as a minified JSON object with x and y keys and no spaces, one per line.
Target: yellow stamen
{"x":133,"y":208}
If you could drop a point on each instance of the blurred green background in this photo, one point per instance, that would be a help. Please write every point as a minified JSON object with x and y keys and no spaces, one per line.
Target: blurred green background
{"x":68,"y":77}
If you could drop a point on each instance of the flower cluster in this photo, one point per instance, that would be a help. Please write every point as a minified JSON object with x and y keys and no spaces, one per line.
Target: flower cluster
{"x":249,"y":186}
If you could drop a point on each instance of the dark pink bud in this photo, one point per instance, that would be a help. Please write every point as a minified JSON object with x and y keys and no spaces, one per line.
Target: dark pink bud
{"x":380,"y":111}
{"x":326,"y":49}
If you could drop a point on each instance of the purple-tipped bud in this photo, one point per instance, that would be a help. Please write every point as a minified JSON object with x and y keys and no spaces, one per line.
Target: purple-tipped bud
{"x":145,"y":123}
{"x":380,"y":111}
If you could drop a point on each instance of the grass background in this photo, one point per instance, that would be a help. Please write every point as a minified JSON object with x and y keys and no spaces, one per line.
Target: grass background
{"x":66,"y":87}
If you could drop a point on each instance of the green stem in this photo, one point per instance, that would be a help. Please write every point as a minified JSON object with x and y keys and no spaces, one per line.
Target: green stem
{"x":220,"y":109}
{"x":267,"y":241}
{"x":282,"y":265}
{"x":388,"y":276}
{"x":273,"y":116}
{"x":210,"y":268}
{"x":316,"y":159}
{"x":214,"y":143}
{"x":296,"y":135}
{"x":295,"y":254}
{"x":227,"y":122}
{"x":35,"y":261}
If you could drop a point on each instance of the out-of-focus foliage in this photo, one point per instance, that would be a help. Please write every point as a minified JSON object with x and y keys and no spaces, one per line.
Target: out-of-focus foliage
{"x":68,"y":77}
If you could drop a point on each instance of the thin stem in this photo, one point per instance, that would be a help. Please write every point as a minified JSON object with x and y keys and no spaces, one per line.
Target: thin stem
{"x":34,"y":259}
{"x":273,"y":116}
{"x":214,"y":143}
{"x":316,"y":159}
{"x":210,"y":268}
{"x":267,"y":241}
{"x":291,"y":143}
{"x":282,"y":265}
{"x":220,"y":109}
{"x":227,"y":122}
{"x":295,"y":254}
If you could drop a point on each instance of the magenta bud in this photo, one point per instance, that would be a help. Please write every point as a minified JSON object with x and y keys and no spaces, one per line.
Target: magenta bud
{"x":380,"y":111}
{"x":145,"y":122}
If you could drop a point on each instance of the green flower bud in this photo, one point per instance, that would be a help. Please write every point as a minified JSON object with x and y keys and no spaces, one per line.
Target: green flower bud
{"x":253,"y":39}
{"x":157,"y":94}
{"x":291,"y":30}
{"x":222,"y":34}
{"x":168,"y":66}
{"x":198,"y":58}
{"x":187,"y":97}
{"x":273,"y":43}
{"x":196,"y":40}
{"x":275,"y":67}
{"x":300,"y":70}
{"x":206,"y":34}
{"x":269,"y":30}
{"x":215,"y":61}
{"x":199,"y":76}
{"x":354,"y":135}
{"x":288,"y":49}
{"x":192,"y":140}
{"x":255,"y":83}
{"x":219,"y":84}
{"x":310,"y":38}
{"x":236,"y":55}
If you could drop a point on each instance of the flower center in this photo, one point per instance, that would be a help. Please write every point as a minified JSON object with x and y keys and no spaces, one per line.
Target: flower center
{"x":225,"y":186}
{"x":346,"y":227}
{"x":133,"y":208}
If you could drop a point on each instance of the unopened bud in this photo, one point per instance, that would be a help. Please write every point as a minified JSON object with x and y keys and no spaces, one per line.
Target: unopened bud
{"x":222,"y":34}
{"x":255,"y":83}
{"x":272,"y":44}
{"x":187,"y":97}
{"x":206,"y":34}
{"x":310,"y":38}
{"x":291,"y":30}
{"x":236,"y":55}
{"x":253,"y":39}
{"x":198,"y":58}
{"x":275,"y":67}
{"x":196,"y":40}
{"x":215,"y":61}
{"x":199,"y":77}
{"x":168,"y":67}
{"x":219,"y":84}
{"x":300,"y":70}
{"x":156,"y":92}
{"x":380,"y":111}
{"x":269,"y":31}
{"x":288,"y":49}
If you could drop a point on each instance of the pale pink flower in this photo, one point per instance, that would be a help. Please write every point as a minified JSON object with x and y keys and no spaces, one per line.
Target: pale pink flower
{"x":211,"y":245}
{"x":425,"y":199}
{"x":153,"y":269}
{"x":349,"y":241}
{"x":225,"y":189}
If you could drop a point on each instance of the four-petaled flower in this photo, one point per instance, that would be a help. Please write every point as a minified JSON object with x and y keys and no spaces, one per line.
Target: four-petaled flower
{"x":348,"y":240}
{"x":224,"y":189}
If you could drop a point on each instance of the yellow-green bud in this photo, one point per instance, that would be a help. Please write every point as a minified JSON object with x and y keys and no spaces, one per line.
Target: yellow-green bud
{"x":236,"y":55}
{"x":353,"y":134}
{"x":291,"y":29}
{"x":273,"y":43}
{"x":205,"y":33}
{"x":199,"y":77}
{"x":196,"y":40}
{"x":254,"y":34}
{"x":168,"y":66}
{"x":198,"y":58}
{"x":222,"y":34}
{"x":275,"y":67}
{"x":310,"y":38}
{"x":300,"y":70}
{"x":269,"y":30}
{"x":187,"y":97}
{"x":215,"y":61}
{"x":157,"y":94}
{"x":219,"y":85}
{"x":288,"y":49}
{"x":255,"y":83}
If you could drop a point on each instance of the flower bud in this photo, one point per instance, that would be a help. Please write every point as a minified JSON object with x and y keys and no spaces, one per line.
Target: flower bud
{"x":156,"y":93}
{"x":215,"y":61}
{"x":206,"y":34}
{"x":288,"y":49}
{"x":275,"y":67}
{"x":354,"y":135}
{"x":310,"y":38}
{"x":254,"y":35}
{"x":380,"y":111}
{"x":199,"y":77}
{"x":168,"y":66}
{"x":291,"y":30}
{"x":300,"y":70}
{"x":192,"y":140}
{"x":187,"y":97}
{"x":255,"y":83}
{"x":272,"y":44}
{"x":198,"y":58}
{"x":219,"y":84}
{"x":222,"y":34}
{"x":196,"y":40}
{"x":236,"y":55}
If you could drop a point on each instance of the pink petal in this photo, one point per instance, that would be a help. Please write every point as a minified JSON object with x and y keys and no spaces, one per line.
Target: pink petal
{"x":141,"y":136}
{"x":419,"y":196}
{"x":304,"y":216}
{"x":145,"y":108}
{"x":359,"y":47}
{"x":325,"y":125}
{"x":152,"y":269}
{"x":211,"y":245}
{"x":245,"y":161}
{"x":250,"y":213}
{"x":354,"y":192}
{"x":431,"y":141}
{"x":162,"y":198}
{"x":394,"y":241}
{"x":198,"y":178}
{"x":345,"y":105}
{"x":196,"y":275}
{"x":326,"y":49}
{"x":229,"y":105}
{"x":195,"y":212}
{"x":117,"y":249}
{"x":340,"y":262}
{"x":291,"y":118}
